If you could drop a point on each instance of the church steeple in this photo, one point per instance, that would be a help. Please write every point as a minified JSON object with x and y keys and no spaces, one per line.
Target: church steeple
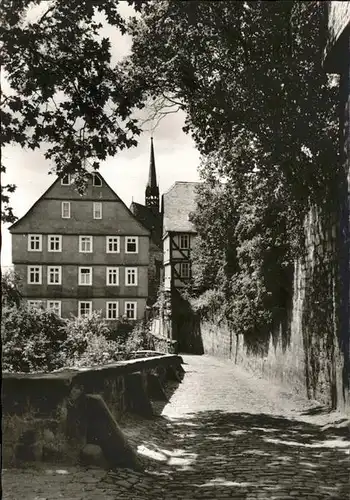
{"x":152,"y":190}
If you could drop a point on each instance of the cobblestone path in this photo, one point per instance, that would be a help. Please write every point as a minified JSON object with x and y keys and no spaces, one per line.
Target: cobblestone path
{"x":223,"y":435}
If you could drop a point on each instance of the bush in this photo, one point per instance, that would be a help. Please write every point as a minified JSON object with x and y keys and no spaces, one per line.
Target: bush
{"x":87,"y":343}
{"x":92,"y":341}
{"x":38,"y":340}
{"x":208,"y":303}
{"x":137,"y":339}
{"x":10,"y":289}
{"x":31,"y":339}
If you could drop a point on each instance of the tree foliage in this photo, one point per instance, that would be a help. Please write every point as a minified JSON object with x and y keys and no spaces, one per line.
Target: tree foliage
{"x":62,"y":91}
{"x":31,"y":339}
{"x":263,"y":114}
{"x":34,"y":339}
{"x":10,"y":289}
{"x":250,"y":77}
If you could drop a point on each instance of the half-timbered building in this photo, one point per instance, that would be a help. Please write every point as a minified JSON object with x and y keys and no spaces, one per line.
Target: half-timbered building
{"x":178,"y":234}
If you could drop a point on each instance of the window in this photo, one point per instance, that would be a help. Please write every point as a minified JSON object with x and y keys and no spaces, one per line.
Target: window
{"x":85,"y":244}
{"x":54,"y":243}
{"x":112,"y":276}
{"x":65,"y":209}
{"x":112,"y":310}
{"x":131,"y":276}
{"x":54,"y":306}
{"x":130,"y":310}
{"x":96,"y":180}
{"x":185,"y":269}
{"x":85,"y":275}
{"x":65,"y":180}
{"x":97,"y":209}
{"x":184,"y":241}
{"x":54,"y":275}
{"x":131,"y":244}
{"x":34,"y":275}
{"x":35,"y":304}
{"x":112,"y":244}
{"x":34,"y":242}
{"x":85,"y":308}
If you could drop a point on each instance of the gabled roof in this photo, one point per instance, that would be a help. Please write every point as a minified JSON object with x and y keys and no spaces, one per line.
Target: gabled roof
{"x":178,"y":202}
{"x":70,"y":194}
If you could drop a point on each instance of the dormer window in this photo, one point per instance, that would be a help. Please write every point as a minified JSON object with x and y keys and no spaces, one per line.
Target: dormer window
{"x":96,"y":180}
{"x":65,"y":180}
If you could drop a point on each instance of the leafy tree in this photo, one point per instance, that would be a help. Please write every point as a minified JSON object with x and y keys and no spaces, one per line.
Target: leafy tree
{"x":10,"y":289}
{"x":249,"y":76}
{"x":263,"y":113}
{"x":64,"y":93}
{"x":214,"y":253}
{"x":31,"y":339}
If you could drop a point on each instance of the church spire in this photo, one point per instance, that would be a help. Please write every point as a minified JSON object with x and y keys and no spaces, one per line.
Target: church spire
{"x":152,"y":190}
{"x":152,"y":178}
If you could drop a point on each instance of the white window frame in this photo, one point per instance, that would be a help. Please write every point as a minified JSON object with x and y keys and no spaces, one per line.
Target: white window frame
{"x":49,"y":269}
{"x":94,"y":176}
{"x":30,"y":241}
{"x":53,"y":308}
{"x":79,"y":308}
{"x":114,"y":239}
{"x":136,"y":238}
{"x":97,"y":209}
{"x":82,"y":240}
{"x":187,"y":237}
{"x":108,"y":303}
{"x":126,"y":309}
{"x":63,"y":205}
{"x":40,"y":269}
{"x":80,"y":276}
{"x":65,"y":177}
{"x":37,"y":304}
{"x":182,"y":264}
{"x":49,"y":237}
{"x":109,"y":272}
{"x":127,"y":270}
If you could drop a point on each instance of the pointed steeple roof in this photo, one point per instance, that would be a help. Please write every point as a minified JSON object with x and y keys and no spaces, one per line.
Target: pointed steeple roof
{"x":152,"y":177}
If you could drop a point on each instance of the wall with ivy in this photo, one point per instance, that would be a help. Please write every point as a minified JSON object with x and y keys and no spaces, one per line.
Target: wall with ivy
{"x":308,"y":354}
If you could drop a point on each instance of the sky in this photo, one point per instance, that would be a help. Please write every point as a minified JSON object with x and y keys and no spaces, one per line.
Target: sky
{"x":175,"y":155}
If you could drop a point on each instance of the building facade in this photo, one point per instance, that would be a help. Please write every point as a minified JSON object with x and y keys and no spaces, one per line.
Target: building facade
{"x":77,"y":254}
{"x":178,"y":234}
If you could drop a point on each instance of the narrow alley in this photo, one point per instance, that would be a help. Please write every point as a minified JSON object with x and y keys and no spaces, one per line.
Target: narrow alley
{"x":223,"y":434}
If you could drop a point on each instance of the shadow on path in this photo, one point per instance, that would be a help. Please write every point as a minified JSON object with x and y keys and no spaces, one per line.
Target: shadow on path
{"x":213,"y":454}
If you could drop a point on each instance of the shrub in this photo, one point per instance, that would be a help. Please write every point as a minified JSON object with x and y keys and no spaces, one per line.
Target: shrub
{"x":38,"y":340}
{"x":137,"y":339}
{"x":31,"y":339}
{"x":208,"y":303}
{"x":87,"y":343}
{"x":10,"y":289}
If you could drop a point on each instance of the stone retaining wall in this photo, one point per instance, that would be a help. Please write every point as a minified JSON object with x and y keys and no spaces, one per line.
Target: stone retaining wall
{"x":311,"y":356}
{"x":45,"y":415}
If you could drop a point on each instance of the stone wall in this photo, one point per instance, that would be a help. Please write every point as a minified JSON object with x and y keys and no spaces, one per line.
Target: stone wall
{"x":311,"y":355}
{"x":45,"y":415}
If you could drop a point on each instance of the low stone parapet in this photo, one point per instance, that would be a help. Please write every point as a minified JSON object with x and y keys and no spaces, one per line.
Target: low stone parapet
{"x":46,"y":415}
